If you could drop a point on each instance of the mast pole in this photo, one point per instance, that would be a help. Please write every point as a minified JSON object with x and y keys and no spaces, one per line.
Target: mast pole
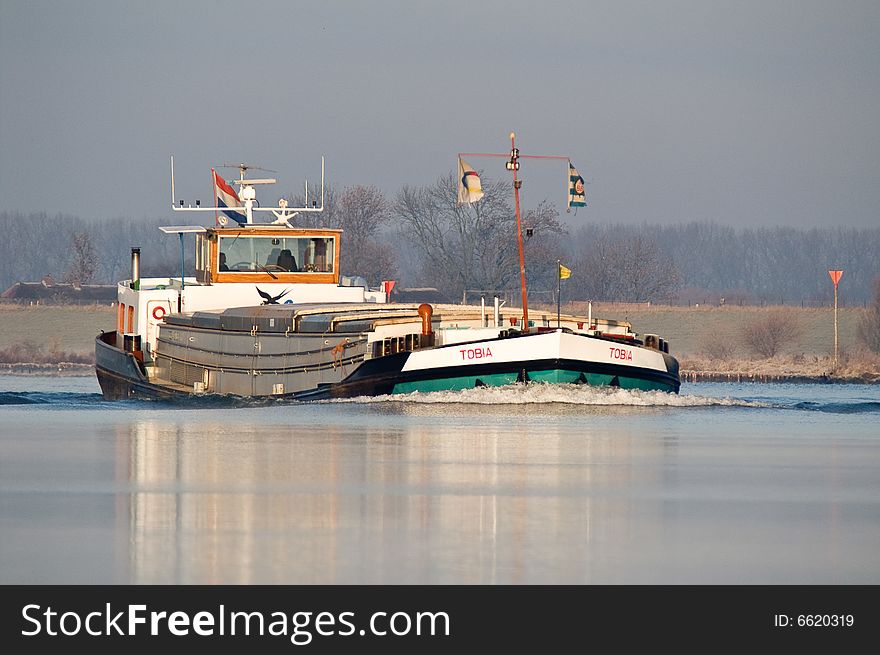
{"x":513,"y":165}
{"x":835,"y":325}
{"x":558,"y":293}
{"x":214,"y":196}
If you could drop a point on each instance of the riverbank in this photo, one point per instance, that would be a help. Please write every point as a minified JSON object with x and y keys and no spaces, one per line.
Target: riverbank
{"x":59,"y":369}
{"x":860,"y":367}
{"x":688,"y":375}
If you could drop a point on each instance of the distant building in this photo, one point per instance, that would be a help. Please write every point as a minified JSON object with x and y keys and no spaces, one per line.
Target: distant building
{"x":48,"y":292}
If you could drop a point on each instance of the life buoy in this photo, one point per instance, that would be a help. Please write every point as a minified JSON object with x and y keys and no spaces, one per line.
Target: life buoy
{"x":159,"y":313}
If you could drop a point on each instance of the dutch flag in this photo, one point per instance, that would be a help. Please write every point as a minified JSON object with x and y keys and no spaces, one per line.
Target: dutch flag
{"x":227,"y":197}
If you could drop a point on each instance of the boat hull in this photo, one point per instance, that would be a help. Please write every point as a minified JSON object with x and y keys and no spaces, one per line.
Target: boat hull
{"x":556,"y":358}
{"x":121,"y":376}
{"x":391,"y":380}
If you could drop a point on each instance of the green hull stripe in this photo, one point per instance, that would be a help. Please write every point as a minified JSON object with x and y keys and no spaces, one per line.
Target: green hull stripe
{"x":554,"y":376}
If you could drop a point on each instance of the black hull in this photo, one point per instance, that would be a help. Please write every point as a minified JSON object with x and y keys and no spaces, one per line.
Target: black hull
{"x":381,"y":376}
{"x":122,"y":377}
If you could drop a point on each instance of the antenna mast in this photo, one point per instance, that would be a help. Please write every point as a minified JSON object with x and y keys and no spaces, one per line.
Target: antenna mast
{"x":247,"y":197}
{"x":513,"y":165}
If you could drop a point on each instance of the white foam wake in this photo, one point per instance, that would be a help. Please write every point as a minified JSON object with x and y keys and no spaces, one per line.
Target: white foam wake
{"x":544,"y":393}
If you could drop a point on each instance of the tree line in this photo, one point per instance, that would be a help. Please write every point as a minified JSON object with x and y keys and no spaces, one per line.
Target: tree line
{"x":423,"y":238}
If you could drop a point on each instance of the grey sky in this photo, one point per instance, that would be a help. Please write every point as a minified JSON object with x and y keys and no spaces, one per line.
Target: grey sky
{"x":744,"y":112}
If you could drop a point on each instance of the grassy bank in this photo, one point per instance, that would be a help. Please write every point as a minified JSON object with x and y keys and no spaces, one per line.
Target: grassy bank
{"x":691,"y":331}
{"x":707,"y":341}
{"x":67,"y":328}
{"x":852,"y":367}
{"x":51,"y":339}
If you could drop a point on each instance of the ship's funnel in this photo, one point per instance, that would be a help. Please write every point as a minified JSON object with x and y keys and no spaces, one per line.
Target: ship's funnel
{"x":136,"y":268}
{"x":426,"y":312}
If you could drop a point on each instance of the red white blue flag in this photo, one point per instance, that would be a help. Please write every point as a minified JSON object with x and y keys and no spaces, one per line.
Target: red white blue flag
{"x":227,"y":197}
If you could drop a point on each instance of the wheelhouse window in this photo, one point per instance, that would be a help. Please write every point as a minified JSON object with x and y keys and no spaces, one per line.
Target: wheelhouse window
{"x":259,"y":254}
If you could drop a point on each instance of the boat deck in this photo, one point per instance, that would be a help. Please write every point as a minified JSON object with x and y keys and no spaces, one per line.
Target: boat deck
{"x":361,"y":317}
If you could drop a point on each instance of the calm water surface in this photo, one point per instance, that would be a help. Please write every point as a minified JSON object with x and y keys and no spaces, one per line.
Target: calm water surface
{"x":750,"y":483}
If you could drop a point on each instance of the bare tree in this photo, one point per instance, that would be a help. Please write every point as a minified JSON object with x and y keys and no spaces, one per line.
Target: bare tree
{"x":767,"y":335}
{"x":371,"y":259}
{"x":85,"y":260}
{"x":361,"y":212}
{"x":647,"y":273}
{"x":631,"y":268}
{"x":869,"y":325}
{"x":469,"y":246}
{"x":326,"y":218}
{"x":594,"y":273}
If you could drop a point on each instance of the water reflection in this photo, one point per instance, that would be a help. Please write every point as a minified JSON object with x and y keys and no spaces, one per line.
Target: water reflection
{"x":386,"y":502}
{"x":519,"y":491}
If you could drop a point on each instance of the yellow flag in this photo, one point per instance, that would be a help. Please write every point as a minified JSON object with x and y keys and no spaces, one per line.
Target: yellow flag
{"x":564,"y":273}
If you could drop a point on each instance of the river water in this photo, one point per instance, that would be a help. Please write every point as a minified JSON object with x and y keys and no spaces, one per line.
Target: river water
{"x":723,"y":484}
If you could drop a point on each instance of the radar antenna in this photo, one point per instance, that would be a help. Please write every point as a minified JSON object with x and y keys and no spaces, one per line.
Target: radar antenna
{"x":242,"y":168}
{"x":247,"y":196}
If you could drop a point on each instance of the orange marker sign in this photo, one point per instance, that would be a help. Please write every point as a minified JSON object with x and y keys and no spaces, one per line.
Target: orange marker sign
{"x":835,"y":277}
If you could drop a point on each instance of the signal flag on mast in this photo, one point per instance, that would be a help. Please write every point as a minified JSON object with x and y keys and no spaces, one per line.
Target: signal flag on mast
{"x":576,"y":194}
{"x":469,"y":187}
{"x":227,"y":197}
{"x":562,"y":273}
